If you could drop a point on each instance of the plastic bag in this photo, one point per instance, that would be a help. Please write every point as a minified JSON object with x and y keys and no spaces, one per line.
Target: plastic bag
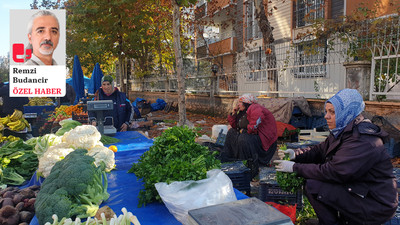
{"x":181,"y":196}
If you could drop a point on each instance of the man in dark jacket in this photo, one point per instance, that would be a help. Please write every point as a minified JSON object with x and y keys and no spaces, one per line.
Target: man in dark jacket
{"x":349,"y":176}
{"x":122,"y":112}
{"x":70,"y":95}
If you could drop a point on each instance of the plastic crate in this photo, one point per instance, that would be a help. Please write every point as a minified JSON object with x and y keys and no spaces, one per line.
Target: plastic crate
{"x":39,"y":109}
{"x":83,"y":119}
{"x":273,"y":193}
{"x":269,"y":190}
{"x":239,"y":174}
{"x":301,"y":144}
{"x":299,"y":122}
{"x":396,"y":219}
{"x":318,"y":121}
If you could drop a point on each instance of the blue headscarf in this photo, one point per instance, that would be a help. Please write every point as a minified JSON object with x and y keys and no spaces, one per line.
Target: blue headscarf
{"x":348,"y":104}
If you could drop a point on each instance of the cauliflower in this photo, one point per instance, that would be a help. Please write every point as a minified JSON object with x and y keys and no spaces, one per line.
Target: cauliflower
{"x":44,"y":142}
{"x":103,"y":154}
{"x":81,"y":137}
{"x":53,"y":154}
{"x":85,"y":136}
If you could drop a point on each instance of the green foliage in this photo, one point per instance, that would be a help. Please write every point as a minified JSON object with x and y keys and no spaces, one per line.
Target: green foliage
{"x":289,"y":181}
{"x":174,"y":156}
{"x":17,"y":162}
{"x":104,"y":31}
{"x":307,"y":212}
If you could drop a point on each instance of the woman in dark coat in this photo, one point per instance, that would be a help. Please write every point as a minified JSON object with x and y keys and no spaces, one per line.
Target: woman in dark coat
{"x":253,"y":134}
{"x":349,"y":176}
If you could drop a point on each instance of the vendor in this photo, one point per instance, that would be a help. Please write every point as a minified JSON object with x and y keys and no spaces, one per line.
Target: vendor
{"x":349,"y":176}
{"x":69,"y":97}
{"x":253,"y":134}
{"x":122,"y":112}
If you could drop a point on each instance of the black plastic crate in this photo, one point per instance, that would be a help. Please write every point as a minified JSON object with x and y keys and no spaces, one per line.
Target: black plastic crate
{"x":273,"y":193}
{"x":239,"y":174}
{"x":269,"y":190}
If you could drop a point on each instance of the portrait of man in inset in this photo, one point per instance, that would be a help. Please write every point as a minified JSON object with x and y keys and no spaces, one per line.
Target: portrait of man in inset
{"x":37,"y":37}
{"x":43,"y":36}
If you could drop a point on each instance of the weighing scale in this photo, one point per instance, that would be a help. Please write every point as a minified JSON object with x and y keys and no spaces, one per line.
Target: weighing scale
{"x":99,"y":107}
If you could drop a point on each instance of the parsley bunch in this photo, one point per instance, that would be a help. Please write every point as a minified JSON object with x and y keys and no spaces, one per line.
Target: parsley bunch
{"x":288,"y":181}
{"x":174,"y":156}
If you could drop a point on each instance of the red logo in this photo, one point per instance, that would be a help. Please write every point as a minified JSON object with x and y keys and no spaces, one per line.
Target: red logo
{"x":20,"y":53}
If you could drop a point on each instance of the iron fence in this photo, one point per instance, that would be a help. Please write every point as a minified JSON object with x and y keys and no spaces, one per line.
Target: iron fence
{"x":310,"y":68}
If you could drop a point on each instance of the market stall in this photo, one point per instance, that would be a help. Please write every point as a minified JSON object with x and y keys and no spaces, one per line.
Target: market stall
{"x":124,"y":188}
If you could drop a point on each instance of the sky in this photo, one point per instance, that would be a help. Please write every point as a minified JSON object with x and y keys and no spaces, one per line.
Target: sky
{"x":5,"y":6}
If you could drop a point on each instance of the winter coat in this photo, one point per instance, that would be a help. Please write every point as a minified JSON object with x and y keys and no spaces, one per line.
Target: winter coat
{"x":122,"y":110}
{"x":266,"y":129}
{"x":351,"y":170}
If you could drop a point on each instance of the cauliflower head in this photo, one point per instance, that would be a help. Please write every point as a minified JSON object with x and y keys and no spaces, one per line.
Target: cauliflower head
{"x":85,"y":136}
{"x":44,"y":142}
{"x":103,"y":154}
{"x":53,"y":154}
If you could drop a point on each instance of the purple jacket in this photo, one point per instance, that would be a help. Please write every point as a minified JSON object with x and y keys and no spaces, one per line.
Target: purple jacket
{"x":358,"y":162}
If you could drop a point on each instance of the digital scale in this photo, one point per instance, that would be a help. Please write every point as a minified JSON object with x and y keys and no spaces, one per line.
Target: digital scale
{"x":99,"y":107}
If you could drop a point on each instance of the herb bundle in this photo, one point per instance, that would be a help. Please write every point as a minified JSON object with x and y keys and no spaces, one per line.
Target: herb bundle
{"x":174,"y":156}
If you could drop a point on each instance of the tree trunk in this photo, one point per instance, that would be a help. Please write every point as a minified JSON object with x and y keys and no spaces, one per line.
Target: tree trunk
{"x":268,"y":47}
{"x":263,"y":22}
{"x":179,"y":63}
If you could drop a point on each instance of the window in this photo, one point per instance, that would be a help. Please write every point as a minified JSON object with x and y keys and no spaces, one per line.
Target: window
{"x":256,"y":62}
{"x":310,"y":59}
{"x":252,"y":29}
{"x":307,"y":11}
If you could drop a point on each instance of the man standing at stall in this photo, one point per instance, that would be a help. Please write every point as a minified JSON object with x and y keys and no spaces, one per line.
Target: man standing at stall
{"x":122,"y":111}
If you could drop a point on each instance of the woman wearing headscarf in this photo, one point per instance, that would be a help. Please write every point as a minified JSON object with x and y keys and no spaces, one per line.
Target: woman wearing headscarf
{"x":122,"y":112}
{"x":349,"y":176}
{"x":253,"y":134}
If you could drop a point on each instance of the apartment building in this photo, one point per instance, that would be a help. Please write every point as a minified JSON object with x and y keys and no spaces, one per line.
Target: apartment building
{"x":292,"y":66}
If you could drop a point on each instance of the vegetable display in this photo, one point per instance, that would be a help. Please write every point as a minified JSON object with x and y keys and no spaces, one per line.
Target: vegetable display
{"x":50,"y":149}
{"x":125,"y":219}
{"x":289,"y":181}
{"x":17,"y":205}
{"x":17,"y":162}
{"x":174,"y":156}
{"x":75,"y":188}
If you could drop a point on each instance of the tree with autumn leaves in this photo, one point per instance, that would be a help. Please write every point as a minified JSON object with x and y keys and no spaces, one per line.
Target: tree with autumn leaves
{"x":121,"y":34}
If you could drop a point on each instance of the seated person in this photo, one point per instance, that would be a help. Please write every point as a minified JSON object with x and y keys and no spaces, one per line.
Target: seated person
{"x":122,"y":112}
{"x":349,"y":177}
{"x":253,"y":135}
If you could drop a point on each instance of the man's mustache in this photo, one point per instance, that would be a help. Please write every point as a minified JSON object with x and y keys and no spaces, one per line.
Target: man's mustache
{"x":46,"y":42}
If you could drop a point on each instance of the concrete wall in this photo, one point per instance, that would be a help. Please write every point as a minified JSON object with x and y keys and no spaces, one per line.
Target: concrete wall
{"x":223,"y":105}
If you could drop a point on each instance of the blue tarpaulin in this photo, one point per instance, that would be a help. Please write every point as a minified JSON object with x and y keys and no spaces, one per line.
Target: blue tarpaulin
{"x":77,"y":79}
{"x":124,"y":187}
{"x":95,"y":79}
{"x":158,"y":105}
{"x":86,"y":82}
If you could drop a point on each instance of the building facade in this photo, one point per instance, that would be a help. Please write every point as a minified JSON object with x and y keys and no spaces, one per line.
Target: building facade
{"x":296,"y":63}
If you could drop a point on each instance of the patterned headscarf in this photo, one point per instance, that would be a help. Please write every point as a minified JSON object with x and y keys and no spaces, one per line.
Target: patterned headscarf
{"x":248,"y":98}
{"x":348,"y":104}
